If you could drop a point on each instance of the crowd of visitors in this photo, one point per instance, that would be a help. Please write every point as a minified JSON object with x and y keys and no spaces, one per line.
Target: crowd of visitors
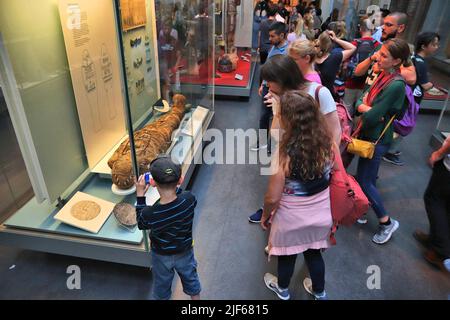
{"x":301,"y":57}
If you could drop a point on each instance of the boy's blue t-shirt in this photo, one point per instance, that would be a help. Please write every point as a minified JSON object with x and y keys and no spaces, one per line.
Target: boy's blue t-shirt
{"x":170,"y":224}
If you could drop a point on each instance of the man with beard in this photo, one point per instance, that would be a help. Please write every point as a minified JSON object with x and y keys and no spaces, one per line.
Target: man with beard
{"x":393,"y":27}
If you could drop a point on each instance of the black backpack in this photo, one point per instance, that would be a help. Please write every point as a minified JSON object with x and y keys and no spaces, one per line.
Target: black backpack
{"x":364,"y":48}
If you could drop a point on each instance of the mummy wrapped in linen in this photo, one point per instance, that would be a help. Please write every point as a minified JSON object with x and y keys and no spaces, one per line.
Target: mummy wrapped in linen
{"x":150,"y":141}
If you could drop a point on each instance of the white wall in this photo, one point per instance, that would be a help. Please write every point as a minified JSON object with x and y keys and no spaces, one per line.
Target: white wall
{"x":244,"y":24}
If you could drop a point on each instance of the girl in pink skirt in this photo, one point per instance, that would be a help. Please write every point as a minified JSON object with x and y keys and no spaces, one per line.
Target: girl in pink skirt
{"x":297,"y":202}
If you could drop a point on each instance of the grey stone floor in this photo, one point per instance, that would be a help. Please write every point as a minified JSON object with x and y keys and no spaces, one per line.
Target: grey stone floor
{"x":230,"y":250}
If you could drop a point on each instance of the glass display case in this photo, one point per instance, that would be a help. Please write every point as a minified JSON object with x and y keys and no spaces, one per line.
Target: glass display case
{"x":235,"y":61}
{"x":91,"y":94}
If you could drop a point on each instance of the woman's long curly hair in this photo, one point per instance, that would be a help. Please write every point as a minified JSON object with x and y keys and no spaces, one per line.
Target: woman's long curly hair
{"x":306,"y":145}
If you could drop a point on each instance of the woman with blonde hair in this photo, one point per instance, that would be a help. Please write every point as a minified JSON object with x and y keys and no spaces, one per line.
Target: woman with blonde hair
{"x":296,"y":31}
{"x":304,"y":54}
{"x":297,"y":201}
{"x":328,"y":62}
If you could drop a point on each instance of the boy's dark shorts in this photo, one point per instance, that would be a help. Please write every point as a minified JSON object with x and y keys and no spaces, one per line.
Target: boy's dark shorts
{"x":163,"y":269}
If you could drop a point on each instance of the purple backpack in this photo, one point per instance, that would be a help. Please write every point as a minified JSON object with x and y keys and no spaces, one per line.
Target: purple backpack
{"x":407,"y":123}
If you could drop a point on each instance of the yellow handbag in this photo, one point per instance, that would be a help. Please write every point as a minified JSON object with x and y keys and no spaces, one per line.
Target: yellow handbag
{"x":365,"y":149}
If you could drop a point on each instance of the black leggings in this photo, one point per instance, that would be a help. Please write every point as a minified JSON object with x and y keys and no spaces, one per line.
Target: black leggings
{"x":316,"y":267}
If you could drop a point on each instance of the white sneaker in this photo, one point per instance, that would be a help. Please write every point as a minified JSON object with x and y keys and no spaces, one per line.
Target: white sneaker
{"x":272,"y":283}
{"x":385,"y":232}
{"x":256,"y":147}
{"x":307,"y":284}
{"x":362,"y":220}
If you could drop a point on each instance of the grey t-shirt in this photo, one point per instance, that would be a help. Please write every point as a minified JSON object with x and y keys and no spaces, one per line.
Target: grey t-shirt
{"x":264,"y":42}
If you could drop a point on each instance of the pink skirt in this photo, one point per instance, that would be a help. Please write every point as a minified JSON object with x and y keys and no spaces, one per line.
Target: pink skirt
{"x":301,"y":223}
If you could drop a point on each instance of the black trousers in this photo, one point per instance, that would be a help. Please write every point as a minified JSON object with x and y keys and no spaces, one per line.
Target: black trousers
{"x":437,"y":204}
{"x":265,"y":116}
{"x":316,"y":267}
{"x":263,"y":56}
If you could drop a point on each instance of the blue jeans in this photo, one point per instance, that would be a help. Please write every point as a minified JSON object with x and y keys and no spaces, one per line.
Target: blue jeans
{"x":164,"y":268}
{"x":265,"y":115}
{"x":367,"y":178}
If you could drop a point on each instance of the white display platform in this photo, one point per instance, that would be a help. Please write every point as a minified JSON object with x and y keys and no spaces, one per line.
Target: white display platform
{"x":102,"y":166}
{"x":94,"y":225}
{"x":195,"y":123}
{"x":122,"y":192}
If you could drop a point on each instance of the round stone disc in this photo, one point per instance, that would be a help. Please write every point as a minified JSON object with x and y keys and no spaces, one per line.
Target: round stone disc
{"x":85,"y":210}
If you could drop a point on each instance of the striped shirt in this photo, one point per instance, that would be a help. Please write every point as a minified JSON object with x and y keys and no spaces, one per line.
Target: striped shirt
{"x":170,"y":224}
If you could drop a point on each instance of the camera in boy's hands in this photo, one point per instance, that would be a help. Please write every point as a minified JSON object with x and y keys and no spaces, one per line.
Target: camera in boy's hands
{"x":142,"y":185}
{"x":147,"y":177}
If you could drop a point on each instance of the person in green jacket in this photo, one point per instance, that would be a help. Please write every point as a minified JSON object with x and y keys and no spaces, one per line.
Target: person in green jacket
{"x":383,"y":100}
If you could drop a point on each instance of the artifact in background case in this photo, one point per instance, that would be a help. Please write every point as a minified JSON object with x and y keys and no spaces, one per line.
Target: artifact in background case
{"x":228,"y":62}
{"x":231,"y":22}
{"x":133,"y":14}
{"x":164,"y":109}
{"x":149,"y":141}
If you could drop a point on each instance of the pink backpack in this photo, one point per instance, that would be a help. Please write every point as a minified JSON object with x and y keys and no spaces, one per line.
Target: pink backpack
{"x":345,"y":120}
{"x":348,"y":201}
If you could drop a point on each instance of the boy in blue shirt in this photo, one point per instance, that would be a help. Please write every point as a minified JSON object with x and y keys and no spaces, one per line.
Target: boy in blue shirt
{"x":170,"y":223}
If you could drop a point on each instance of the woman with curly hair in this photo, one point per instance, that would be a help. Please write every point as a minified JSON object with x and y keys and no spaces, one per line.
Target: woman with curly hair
{"x":297,"y":202}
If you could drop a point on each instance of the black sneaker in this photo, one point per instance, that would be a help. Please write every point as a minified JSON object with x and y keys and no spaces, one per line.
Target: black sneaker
{"x":392,"y":158}
{"x":256,"y":217}
{"x":397,"y":153}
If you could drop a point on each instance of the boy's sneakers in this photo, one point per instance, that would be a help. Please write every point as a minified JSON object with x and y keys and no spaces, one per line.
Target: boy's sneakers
{"x":307,"y":284}
{"x":394,"y":159}
{"x":256,"y":217}
{"x":385,"y":232}
{"x":272,"y":283}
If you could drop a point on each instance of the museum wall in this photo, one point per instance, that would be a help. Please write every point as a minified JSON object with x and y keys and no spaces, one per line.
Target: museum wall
{"x":32,"y":34}
{"x":437,"y":20}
